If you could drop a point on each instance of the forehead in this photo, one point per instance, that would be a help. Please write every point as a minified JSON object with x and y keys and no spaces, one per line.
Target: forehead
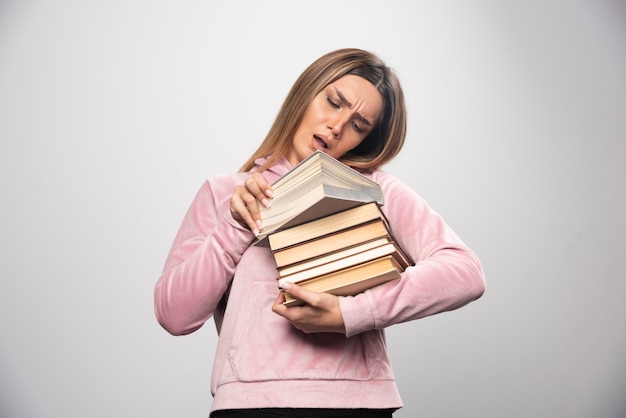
{"x":354,"y":82}
{"x":360,"y":93}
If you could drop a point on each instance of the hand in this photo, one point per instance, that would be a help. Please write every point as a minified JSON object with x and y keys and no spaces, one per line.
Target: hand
{"x":244,"y":203}
{"x":321,"y":312}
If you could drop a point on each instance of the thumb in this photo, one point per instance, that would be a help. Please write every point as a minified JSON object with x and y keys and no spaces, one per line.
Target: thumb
{"x":307,"y":296}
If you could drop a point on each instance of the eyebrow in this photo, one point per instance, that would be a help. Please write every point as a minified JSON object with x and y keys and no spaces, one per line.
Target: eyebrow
{"x":358,"y":115}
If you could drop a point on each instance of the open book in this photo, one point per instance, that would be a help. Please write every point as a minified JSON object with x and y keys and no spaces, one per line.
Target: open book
{"x":318,"y":186}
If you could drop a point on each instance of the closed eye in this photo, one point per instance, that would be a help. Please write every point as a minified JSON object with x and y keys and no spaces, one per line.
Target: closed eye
{"x":332,"y":103}
{"x":357,"y":127}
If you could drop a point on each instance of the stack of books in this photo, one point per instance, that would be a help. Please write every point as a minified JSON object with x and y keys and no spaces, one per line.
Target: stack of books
{"x":329,"y":234}
{"x":343,"y":253}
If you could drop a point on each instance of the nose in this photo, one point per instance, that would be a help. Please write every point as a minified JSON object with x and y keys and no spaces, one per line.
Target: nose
{"x":336,"y":125}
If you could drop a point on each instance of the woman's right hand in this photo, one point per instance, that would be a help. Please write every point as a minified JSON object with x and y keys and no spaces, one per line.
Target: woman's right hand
{"x":244,"y":203}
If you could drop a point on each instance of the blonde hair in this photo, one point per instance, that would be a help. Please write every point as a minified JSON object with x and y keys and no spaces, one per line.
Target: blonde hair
{"x":382,"y":144}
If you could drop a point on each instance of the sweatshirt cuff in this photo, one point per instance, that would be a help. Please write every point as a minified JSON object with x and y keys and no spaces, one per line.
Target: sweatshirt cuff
{"x":358,"y":314}
{"x":239,"y":237}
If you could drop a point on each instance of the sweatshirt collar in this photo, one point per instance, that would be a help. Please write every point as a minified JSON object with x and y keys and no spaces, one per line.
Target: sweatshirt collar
{"x":279,"y":169}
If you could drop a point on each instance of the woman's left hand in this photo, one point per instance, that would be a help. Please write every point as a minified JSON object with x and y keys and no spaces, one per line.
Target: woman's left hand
{"x":321,"y":312}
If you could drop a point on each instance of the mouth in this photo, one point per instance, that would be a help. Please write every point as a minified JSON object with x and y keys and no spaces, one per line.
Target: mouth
{"x":320,"y":142}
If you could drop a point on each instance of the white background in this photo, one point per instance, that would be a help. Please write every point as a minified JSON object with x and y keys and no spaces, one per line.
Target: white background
{"x":112,"y":113}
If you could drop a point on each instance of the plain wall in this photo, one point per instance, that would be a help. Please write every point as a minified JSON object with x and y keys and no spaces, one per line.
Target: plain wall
{"x":112,"y":113}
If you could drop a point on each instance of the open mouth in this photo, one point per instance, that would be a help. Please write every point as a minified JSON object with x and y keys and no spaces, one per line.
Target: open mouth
{"x":320,"y":142}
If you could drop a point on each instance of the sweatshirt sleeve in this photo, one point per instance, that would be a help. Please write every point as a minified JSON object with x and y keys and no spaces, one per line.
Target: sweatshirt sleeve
{"x":201,"y":262}
{"x":447,"y":274}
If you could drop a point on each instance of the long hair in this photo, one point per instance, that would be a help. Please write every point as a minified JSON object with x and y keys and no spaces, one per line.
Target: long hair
{"x":378,"y":147}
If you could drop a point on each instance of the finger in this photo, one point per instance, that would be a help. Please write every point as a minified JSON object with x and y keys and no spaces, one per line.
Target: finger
{"x":260,"y":192}
{"x":295,"y":314}
{"x":252,"y":212}
{"x":309,"y":297}
{"x":240,"y":209}
{"x":278,"y":306}
{"x":257,"y":186}
{"x":320,"y":313}
{"x":263,"y":184}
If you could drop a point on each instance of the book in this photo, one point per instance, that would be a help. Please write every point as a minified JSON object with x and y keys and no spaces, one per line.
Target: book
{"x":326,"y":225}
{"x":353,"y":280}
{"x":333,"y":256}
{"x":318,"y":186}
{"x":388,"y":249}
{"x":333,"y":242}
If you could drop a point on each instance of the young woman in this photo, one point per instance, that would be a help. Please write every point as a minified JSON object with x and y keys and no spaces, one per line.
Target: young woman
{"x":327,"y":357}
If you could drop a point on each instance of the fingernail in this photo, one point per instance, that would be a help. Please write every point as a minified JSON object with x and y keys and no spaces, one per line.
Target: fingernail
{"x":269,"y":193}
{"x":284,"y":284}
{"x":259,"y":224}
{"x":255,"y":232}
{"x":265,"y":203}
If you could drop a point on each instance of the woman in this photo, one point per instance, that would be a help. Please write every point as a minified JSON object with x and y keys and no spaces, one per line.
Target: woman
{"x":328,"y":357}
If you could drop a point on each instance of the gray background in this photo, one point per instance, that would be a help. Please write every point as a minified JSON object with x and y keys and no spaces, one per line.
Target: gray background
{"x":113,"y":112}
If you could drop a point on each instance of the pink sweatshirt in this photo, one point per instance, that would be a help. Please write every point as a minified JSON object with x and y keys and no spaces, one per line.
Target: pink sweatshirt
{"x":261,"y":360}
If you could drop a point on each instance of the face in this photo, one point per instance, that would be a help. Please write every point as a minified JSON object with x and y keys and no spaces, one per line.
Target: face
{"x":337,"y":119}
